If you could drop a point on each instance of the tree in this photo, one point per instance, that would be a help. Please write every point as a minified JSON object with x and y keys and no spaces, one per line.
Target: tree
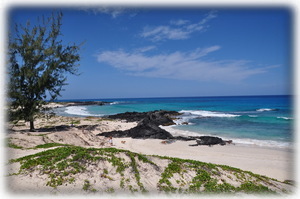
{"x":38,"y":62}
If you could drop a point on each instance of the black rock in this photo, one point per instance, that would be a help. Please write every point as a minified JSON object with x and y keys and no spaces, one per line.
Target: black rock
{"x":160,"y":117}
{"x":141,"y":131}
{"x":148,"y":126}
{"x":209,"y":140}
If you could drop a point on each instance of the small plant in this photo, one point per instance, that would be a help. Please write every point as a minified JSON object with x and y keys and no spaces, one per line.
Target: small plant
{"x":75,"y":122}
{"x":105,"y":171}
{"x":110,"y":190}
{"x":86,"y":185}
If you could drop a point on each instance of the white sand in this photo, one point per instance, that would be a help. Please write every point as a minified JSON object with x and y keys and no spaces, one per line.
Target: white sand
{"x":271,"y":162}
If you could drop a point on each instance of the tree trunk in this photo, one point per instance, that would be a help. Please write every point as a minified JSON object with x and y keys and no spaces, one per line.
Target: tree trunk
{"x":31,"y":125}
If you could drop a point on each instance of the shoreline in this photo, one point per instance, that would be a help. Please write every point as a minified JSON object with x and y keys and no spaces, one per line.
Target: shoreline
{"x":269,"y":144}
{"x":178,"y":132}
{"x":275,"y":163}
{"x":272,"y":162}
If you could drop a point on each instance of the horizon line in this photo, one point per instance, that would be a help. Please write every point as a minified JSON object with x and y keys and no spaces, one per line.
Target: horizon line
{"x":91,"y":99}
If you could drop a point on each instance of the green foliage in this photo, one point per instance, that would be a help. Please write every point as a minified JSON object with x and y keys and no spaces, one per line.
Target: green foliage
{"x":110,"y":190}
{"x":88,"y":187}
{"x":250,"y":187}
{"x":37,"y":63}
{"x":49,"y":145}
{"x":164,"y":183}
{"x":75,"y":122}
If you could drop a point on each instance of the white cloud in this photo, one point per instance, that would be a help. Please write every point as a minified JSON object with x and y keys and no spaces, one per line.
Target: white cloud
{"x":144,"y":49}
{"x":180,"y":65}
{"x":179,"y":22}
{"x":210,"y":16}
{"x":177,"y":29}
{"x":111,"y":10}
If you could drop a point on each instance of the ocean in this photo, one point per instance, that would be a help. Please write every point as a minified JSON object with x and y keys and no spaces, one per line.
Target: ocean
{"x":265,"y":121}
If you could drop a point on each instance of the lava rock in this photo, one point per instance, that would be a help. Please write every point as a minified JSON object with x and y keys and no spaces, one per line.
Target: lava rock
{"x":160,"y":117}
{"x":210,"y":140}
{"x":148,"y":126}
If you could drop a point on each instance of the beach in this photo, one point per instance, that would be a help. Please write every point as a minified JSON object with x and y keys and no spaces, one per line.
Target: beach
{"x":271,"y":162}
{"x":275,"y":163}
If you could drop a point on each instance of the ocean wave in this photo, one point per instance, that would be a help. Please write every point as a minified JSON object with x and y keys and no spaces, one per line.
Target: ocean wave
{"x":266,"y":109}
{"x":285,"y":118}
{"x":79,"y":110}
{"x":262,"y":143}
{"x":202,"y":113}
{"x":113,"y":103}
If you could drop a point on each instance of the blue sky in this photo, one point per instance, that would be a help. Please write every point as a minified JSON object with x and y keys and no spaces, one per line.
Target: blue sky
{"x":172,"y":52}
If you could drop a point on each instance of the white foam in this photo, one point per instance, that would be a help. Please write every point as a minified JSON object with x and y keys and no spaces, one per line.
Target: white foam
{"x":286,"y":118}
{"x":240,"y":141}
{"x":262,"y":143}
{"x":265,"y":109}
{"x":202,"y":113}
{"x":177,"y":132}
{"x":79,"y":110}
{"x":113,"y":103}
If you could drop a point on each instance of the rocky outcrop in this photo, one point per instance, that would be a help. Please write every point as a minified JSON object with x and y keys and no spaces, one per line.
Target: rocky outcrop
{"x":160,"y":117}
{"x":210,"y":140}
{"x":148,"y":126}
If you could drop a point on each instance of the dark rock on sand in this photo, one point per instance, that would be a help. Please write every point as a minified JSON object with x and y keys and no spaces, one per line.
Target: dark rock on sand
{"x":148,"y":126}
{"x":143,"y":130}
{"x":210,"y":140}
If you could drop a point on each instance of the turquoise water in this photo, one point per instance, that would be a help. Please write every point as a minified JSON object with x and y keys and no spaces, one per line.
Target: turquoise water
{"x":259,"y":120}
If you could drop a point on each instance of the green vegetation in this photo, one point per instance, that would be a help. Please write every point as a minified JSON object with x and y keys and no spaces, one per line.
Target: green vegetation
{"x":88,"y":187}
{"x":62,"y":165}
{"x":49,"y":145}
{"x":75,"y":122}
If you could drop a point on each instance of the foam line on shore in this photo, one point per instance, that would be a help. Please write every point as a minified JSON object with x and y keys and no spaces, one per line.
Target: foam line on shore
{"x":240,"y":141}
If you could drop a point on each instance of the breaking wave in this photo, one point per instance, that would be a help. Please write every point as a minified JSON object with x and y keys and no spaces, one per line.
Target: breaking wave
{"x":266,"y":109}
{"x":201,"y":113}
{"x":79,"y":110}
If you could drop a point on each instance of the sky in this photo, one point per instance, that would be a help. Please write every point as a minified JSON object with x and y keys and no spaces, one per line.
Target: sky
{"x":133,"y":52}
